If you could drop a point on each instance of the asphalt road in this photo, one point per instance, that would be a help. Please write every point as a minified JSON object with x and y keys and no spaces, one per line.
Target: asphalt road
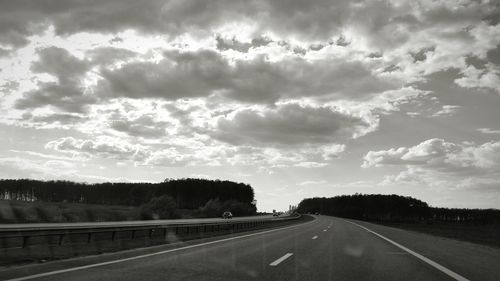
{"x":324,"y":249}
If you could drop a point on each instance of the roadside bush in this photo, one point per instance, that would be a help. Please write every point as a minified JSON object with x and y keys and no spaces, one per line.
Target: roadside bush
{"x":162,"y":207}
{"x":239,"y":208}
{"x":213,"y":208}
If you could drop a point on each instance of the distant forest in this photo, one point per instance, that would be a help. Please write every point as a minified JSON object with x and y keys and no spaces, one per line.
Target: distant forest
{"x":394,"y":208}
{"x":187,"y":193}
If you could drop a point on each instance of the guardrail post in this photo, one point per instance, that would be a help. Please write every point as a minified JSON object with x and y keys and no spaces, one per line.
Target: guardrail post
{"x":61,"y":238}
{"x":89,"y":237}
{"x":133,"y":234}
{"x":151,"y":233}
{"x":25,"y":241}
{"x":113,"y":234}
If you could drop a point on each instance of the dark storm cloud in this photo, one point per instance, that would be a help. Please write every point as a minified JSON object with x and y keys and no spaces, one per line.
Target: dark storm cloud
{"x":60,"y":63}
{"x":4,"y":52}
{"x":67,"y":93}
{"x":421,"y":55}
{"x":181,"y":75}
{"x":233,"y":44}
{"x":493,"y":55}
{"x":65,"y":97}
{"x":204,"y":73}
{"x":22,"y":18}
{"x":289,"y":124}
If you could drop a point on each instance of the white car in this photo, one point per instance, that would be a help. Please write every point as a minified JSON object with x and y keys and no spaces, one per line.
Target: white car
{"x":227,"y":215}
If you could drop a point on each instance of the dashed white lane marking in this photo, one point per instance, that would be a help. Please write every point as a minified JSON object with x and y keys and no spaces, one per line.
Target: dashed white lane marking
{"x":432,"y":263}
{"x":315,"y":237}
{"x":280,"y":260}
{"x":324,"y":230}
{"x":150,"y":255}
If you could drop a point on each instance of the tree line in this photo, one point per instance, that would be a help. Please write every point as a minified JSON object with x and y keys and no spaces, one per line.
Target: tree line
{"x":394,"y":208}
{"x":188,"y":193}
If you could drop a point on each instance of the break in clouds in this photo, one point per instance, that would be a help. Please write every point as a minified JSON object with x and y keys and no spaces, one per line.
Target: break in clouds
{"x":382,"y":92}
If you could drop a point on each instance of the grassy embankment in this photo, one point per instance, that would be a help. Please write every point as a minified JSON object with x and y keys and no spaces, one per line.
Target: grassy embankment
{"x":37,"y":212}
{"x":487,"y":234}
{"x":12,"y":211}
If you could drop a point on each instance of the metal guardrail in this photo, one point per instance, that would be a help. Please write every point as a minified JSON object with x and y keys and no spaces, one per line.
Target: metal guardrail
{"x":150,"y":229}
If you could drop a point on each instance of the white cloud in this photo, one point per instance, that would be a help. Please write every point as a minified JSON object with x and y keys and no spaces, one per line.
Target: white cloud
{"x":447,"y":110}
{"x":488,"y":131}
{"x":38,"y":168}
{"x":310,"y":164}
{"x":104,"y":147}
{"x":440,"y":165}
{"x":320,"y":182}
{"x":440,"y":155}
{"x":481,"y":78}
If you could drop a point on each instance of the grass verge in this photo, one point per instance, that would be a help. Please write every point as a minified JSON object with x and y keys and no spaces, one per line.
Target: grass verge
{"x":488,"y":234}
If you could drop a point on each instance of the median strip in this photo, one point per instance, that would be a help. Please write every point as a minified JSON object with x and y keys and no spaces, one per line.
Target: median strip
{"x":280,"y":260}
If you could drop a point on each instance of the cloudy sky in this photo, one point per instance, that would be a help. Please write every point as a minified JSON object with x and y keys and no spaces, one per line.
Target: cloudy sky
{"x":297,"y":98}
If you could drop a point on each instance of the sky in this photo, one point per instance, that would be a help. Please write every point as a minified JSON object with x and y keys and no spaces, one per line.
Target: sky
{"x":296,"y":98}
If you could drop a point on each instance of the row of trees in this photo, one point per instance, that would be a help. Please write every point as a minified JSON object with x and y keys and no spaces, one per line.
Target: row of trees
{"x":187,"y":193}
{"x":393,"y":208}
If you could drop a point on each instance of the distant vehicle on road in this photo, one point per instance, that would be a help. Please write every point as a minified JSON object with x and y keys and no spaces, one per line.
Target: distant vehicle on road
{"x":227,"y":215}
{"x":275,"y":214}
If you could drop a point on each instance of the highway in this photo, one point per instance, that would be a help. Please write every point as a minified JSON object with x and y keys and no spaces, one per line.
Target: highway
{"x":326,"y":248}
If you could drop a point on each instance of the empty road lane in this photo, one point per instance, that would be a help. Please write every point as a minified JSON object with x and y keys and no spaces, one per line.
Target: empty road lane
{"x":348,"y":250}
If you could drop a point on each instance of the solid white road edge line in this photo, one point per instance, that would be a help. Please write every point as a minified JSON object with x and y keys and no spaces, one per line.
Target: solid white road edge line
{"x":432,"y":263}
{"x":278,"y":261}
{"x":150,"y":255}
{"x":315,"y":237}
